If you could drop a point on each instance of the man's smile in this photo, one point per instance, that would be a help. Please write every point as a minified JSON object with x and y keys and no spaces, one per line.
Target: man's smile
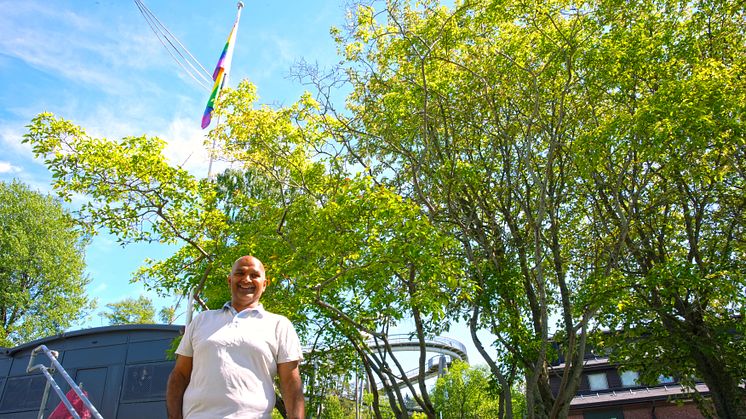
{"x":249,"y":288}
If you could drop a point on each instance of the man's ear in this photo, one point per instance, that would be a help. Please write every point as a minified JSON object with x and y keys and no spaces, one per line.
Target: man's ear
{"x":266,"y":282}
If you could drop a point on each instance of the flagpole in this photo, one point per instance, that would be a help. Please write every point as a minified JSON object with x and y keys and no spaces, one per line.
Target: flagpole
{"x":238,"y":18}
{"x":225,"y":83}
{"x":193,"y":295}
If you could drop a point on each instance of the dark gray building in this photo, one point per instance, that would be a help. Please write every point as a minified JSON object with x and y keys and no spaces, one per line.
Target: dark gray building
{"x":124,"y":369}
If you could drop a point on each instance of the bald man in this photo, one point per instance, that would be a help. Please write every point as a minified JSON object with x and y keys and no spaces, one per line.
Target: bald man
{"x":228,"y":358}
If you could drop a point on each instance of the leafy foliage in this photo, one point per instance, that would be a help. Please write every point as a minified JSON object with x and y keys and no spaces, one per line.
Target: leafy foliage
{"x":668,"y":173}
{"x":133,"y":192}
{"x":42,"y":283}
{"x":167,"y":315}
{"x":472,"y":112}
{"x":351,"y":253}
{"x":466,"y":392}
{"x":587,"y":156}
{"x":130,"y":311}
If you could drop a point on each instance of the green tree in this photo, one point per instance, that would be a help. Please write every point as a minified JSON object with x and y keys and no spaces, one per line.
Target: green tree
{"x":167,"y":315}
{"x":41,"y":266}
{"x":668,"y":172}
{"x":342,"y":243}
{"x":568,"y":146}
{"x":466,"y":392}
{"x":136,"y":195}
{"x":472,"y":113}
{"x":130,"y":311}
{"x":332,"y":409}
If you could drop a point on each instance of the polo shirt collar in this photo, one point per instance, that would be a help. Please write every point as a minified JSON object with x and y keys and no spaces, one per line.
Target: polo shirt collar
{"x":259,"y":309}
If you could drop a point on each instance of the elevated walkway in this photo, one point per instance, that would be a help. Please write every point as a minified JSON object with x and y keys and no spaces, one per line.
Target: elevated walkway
{"x":433,"y":367}
{"x":447,"y":349}
{"x":438,"y":344}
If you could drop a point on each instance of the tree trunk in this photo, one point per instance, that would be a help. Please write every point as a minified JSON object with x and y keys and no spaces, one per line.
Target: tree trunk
{"x":728,"y":397}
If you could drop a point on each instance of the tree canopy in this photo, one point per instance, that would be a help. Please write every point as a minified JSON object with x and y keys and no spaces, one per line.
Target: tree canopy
{"x":668,"y":171}
{"x":130,"y":311}
{"x":42,"y":280}
{"x":466,"y":392}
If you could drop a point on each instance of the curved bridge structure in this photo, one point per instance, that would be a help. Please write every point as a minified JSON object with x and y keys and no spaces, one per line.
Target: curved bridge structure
{"x":447,"y":349}
{"x":438,"y":344}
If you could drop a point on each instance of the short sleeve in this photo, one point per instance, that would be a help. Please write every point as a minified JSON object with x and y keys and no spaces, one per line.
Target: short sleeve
{"x":289,"y":348}
{"x":185,"y":346}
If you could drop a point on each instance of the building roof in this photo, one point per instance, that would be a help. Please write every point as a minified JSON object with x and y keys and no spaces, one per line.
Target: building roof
{"x":91,"y":331}
{"x":634,"y":395}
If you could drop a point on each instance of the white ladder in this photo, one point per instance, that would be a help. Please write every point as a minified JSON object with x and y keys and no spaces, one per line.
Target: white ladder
{"x":48,"y":371}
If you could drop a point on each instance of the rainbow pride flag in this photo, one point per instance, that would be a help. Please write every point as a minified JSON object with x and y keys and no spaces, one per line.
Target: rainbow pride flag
{"x":220,"y":75}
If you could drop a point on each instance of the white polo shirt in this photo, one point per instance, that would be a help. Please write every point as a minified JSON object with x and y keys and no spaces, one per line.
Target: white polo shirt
{"x":234,"y":360}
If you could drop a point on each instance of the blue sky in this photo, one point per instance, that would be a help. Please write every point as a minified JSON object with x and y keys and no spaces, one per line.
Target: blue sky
{"x":98,"y":64}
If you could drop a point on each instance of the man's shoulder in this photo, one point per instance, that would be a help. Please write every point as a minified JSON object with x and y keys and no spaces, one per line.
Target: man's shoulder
{"x":209,"y":314}
{"x":277,"y":318}
{"x":212,"y":312}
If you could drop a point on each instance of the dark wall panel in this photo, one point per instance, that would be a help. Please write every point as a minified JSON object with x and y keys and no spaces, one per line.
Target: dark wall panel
{"x":22,"y":393}
{"x":20,"y":415}
{"x":20,"y":364}
{"x":95,"y":357}
{"x":94,"y":383}
{"x":5,"y":364}
{"x":146,"y":382}
{"x":615,"y":382}
{"x":153,"y":335}
{"x":148,"y":351}
{"x":89,"y":341}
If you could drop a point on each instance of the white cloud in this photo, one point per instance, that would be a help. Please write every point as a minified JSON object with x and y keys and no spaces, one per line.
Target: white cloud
{"x":274,"y":60}
{"x":19,"y":163}
{"x":89,"y":51}
{"x":50,"y":51}
{"x":186,"y":147}
{"x":10,"y":140}
{"x":98,"y":289}
{"x":6,"y":167}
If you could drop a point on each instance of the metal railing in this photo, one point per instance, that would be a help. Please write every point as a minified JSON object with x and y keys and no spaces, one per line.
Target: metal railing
{"x":451,"y":345}
{"x":48,"y":371}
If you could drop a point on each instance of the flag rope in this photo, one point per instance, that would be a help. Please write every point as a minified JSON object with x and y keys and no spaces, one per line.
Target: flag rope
{"x":175,"y":47}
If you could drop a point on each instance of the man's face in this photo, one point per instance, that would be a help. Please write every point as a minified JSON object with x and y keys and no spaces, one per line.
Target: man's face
{"x":247,"y":282}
